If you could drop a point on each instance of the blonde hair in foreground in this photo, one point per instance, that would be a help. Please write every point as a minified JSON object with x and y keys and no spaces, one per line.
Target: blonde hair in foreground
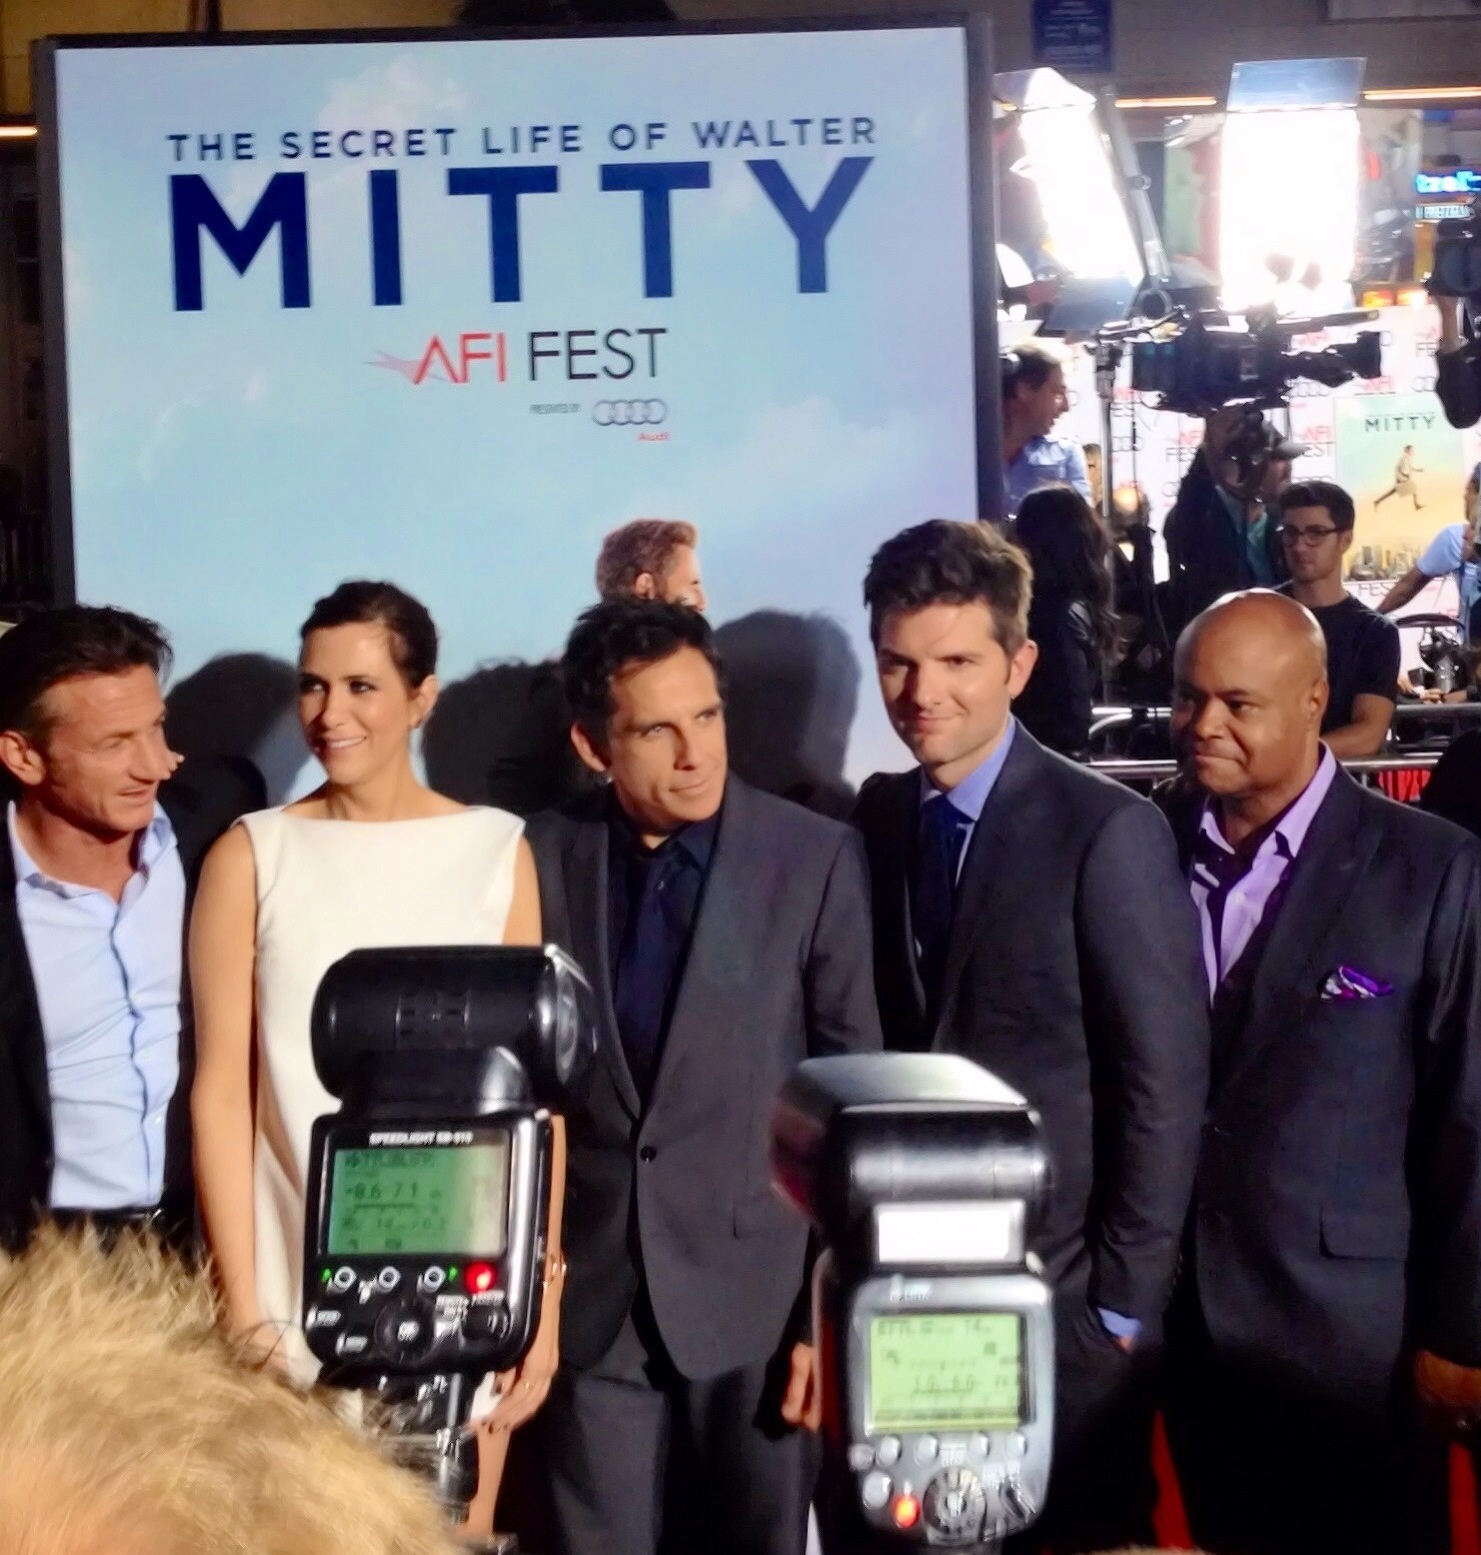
{"x":130,"y":1426}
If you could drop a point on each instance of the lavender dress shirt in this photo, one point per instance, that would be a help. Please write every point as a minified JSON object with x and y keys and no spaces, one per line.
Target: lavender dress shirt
{"x":1249,"y":898}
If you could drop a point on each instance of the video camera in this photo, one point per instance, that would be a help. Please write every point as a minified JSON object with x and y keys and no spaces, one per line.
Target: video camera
{"x":924,"y":1177}
{"x":1198,"y":362}
{"x":428,"y":1194}
{"x":1457,"y":265}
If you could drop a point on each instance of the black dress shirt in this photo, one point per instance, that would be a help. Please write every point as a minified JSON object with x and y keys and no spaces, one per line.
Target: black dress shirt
{"x":653,"y":900}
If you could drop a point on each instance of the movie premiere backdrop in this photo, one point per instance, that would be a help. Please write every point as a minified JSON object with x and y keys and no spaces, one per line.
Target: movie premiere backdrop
{"x":448,"y":311}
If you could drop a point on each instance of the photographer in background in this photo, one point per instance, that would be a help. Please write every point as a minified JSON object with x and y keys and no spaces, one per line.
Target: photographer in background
{"x":1316,"y":520}
{"x":1034,"y":398}
{"x":1458,"y":362}
{"x":1220,"y":537}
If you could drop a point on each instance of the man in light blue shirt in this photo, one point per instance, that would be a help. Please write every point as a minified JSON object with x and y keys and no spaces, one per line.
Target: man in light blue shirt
{"x":1034,"y":398}
{"x":1451,"y":554}
{"x":93,"y":895}
{"x":107,"y":976}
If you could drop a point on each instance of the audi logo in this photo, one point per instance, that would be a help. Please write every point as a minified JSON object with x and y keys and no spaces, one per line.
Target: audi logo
{"x":629,"y":413}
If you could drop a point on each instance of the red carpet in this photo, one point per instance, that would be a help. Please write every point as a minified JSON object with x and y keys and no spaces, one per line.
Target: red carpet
{"x":1172,"y":1524}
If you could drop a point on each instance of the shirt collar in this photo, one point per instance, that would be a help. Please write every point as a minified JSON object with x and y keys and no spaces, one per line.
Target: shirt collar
{"x":158,"y":836}
{"x":971,"y":794}
{"x":1290,"y":829}
{"x":696,"y":841}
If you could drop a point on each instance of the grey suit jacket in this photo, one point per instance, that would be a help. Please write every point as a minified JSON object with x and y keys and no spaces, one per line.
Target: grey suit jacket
{"x":1073,"y":971}
{"x":679,"y":1193}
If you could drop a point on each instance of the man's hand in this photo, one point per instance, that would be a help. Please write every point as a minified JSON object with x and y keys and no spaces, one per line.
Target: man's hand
{"x":523,"y":1390}
{"x":1452,"y":1392}
{"x":1449,"y":310}
{"x":802,"y":1403}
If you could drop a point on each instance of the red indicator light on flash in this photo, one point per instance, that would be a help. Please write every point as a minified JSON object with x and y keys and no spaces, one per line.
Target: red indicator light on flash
{"x":480,"y":1277}
{"x":906,"y":1511}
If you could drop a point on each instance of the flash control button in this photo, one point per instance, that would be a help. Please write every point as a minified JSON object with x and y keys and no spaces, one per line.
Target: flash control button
{"x":875,"y":1493}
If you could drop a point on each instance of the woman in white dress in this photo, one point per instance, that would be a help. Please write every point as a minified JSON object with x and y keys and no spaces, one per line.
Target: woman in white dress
{"x":372,"y":858}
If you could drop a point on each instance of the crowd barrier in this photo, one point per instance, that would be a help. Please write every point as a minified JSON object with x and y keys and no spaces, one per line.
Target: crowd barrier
{"x":1106,"y":718}
{"x":1366,"y":770}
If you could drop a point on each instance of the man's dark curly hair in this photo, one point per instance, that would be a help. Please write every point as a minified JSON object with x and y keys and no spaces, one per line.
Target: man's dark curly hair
{"x":942,"y":562}
{"x":621,"y":635}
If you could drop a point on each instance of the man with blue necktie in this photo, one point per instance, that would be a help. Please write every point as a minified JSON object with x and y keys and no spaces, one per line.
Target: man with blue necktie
{"x":1030,"y":915}
{"x":726,"y":933}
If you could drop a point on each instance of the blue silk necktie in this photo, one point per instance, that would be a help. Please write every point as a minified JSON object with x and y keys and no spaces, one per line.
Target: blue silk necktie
{"x":942,"y":833}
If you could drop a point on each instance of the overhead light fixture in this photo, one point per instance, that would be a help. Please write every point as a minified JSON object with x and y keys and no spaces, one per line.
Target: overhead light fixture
{"x":1062,"y":209}
{"x":1423,"y":94}
{"x":1169,"y":103}
{"x":1297,"y":253}
{"x":17,"y":132}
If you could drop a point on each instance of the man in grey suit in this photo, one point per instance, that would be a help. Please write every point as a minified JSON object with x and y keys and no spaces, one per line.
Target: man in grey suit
{"x":727,"y":935}
{"x":1030,"y":915}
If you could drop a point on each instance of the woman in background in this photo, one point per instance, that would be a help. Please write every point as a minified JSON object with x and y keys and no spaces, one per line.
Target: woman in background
{"x":1071,"y":618}
{"x":372,"y":857}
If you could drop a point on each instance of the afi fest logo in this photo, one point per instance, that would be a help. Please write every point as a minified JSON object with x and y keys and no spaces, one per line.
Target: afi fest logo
{"x":445,"y":365}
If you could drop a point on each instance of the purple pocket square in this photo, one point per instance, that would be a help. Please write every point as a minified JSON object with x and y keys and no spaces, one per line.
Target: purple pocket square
{"x":1349,"y":983}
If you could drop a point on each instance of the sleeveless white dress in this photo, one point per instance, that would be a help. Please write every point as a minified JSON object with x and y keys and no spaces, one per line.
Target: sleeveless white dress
{"x":325,"y":888}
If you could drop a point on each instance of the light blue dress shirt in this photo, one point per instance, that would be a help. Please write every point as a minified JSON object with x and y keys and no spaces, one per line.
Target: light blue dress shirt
{"x":1445,"y":556}
{"x":970,"y":796}
{"x":1044,"y":461}
{"x":107,"y":978}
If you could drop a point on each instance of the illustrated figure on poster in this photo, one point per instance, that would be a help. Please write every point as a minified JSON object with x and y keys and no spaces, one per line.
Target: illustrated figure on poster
{"x":1404,"y":472}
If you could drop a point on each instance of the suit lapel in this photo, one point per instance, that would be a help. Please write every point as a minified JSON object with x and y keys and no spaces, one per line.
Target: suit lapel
{"x":20,"y":1016}
{"x":1303,"y":945}
{"x":716,"y":968}
{"x":982,"y":870}
{"x":901,"y":805}
{"x":586,"y":897}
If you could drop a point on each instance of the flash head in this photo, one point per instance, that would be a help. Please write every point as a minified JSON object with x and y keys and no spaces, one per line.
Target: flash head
{"x":925,"y":1178}
{"x":466,"y":1026}
{"x":880,"y":1150}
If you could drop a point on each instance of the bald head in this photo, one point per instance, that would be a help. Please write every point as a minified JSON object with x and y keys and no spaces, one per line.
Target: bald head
{"x":1265,"y":627}
{"x":1251,"y":688}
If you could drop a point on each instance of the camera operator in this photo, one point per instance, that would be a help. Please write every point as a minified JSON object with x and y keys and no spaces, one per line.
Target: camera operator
{"x":1219,"y":534}
{"x":1458,"y":362}
{"x":1034,"y":399}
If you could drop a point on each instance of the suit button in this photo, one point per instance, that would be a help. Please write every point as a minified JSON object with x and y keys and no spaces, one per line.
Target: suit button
{"x":647,"y":1153}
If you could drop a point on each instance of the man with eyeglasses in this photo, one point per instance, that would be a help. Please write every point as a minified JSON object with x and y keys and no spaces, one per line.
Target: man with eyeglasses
{"x":1315,"y":526}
